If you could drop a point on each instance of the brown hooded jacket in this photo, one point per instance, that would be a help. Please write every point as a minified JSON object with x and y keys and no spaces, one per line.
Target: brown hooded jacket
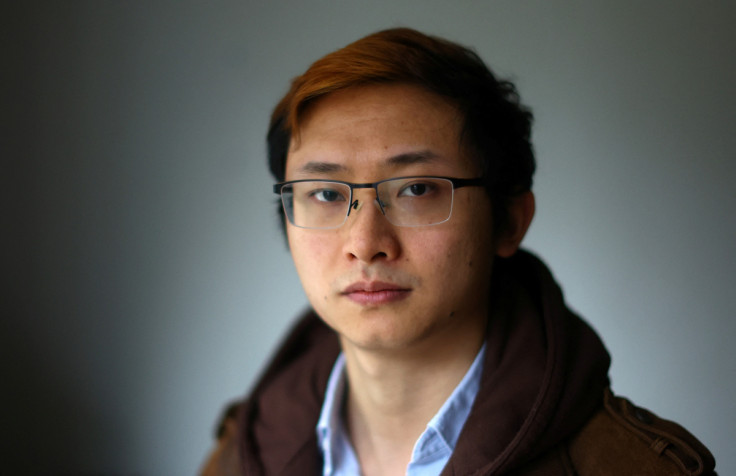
{"x":543,"y":406}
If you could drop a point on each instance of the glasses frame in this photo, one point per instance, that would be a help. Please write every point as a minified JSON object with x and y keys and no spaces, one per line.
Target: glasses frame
{"x":456,"y":183}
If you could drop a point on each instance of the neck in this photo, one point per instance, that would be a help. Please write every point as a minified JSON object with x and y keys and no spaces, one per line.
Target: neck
{"x":393,"y":394}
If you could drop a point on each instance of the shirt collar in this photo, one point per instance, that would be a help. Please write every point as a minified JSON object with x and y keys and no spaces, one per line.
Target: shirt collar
{"x":443,"y":430}
{"x":329,"y":426}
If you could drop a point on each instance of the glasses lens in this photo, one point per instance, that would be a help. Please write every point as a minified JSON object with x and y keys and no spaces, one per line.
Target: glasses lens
{"x":416,"y":201}
{"x":316,"y":204}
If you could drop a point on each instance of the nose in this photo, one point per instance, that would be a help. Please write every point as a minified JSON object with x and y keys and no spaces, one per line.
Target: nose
{"x":368,"y":234}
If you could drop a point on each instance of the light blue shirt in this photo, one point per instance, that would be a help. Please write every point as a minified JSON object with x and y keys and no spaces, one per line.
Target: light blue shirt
{"x":434,"y":446}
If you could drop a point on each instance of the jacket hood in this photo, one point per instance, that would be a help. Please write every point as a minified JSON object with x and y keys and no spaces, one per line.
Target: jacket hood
{"x":544,"y":374}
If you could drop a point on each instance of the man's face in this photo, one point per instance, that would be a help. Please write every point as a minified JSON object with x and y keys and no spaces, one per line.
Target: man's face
{"x":380,"y":286}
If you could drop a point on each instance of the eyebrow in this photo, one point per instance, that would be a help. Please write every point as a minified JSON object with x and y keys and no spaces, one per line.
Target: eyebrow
{"x":411,"y":158}
{"x":396,"y":161}
{"x":321,"y":168}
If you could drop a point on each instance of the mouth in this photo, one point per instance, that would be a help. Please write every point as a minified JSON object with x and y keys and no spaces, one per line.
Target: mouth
{"x":375,"y":293}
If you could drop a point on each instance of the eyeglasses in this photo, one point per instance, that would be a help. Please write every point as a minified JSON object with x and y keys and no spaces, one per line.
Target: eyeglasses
{"x":404,"y":201}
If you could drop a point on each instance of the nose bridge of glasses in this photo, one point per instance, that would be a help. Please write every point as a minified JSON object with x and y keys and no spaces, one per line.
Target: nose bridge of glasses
{"x":357,"y":203}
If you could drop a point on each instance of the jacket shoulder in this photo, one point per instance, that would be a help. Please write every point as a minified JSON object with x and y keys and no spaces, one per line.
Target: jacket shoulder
{"x":622,"y":438}
{"x":224,"y":459}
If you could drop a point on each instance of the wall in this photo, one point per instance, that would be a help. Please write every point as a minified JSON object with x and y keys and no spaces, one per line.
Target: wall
{"x":146,"y":276}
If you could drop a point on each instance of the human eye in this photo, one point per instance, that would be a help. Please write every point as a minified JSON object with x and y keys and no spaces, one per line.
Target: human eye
{"x":326,"y":195}
{"x":417,"y":188}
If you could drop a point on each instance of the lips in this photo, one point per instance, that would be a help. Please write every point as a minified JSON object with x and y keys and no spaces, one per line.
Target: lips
{"x":375,"y":293}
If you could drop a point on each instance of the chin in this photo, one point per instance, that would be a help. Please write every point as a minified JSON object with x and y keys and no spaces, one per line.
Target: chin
{"x":383,"y":336}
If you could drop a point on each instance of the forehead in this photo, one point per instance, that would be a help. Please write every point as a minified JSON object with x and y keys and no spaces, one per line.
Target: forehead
{"x":369,"y":127}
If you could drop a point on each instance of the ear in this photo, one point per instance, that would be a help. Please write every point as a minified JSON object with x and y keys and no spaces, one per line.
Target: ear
{"x":520,"y":214}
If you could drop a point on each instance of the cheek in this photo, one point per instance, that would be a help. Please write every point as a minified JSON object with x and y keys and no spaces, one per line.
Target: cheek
{"x":453,"y":242}
{"x":456,"y":257}
{"x":311,"y":253}
{"x":440,"y":253}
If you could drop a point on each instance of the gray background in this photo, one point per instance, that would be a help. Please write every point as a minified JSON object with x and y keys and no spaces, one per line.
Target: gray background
{"x":144,"y":277}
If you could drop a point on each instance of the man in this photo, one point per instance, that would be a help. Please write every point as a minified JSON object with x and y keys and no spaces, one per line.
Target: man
{"x":435,"y":346}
